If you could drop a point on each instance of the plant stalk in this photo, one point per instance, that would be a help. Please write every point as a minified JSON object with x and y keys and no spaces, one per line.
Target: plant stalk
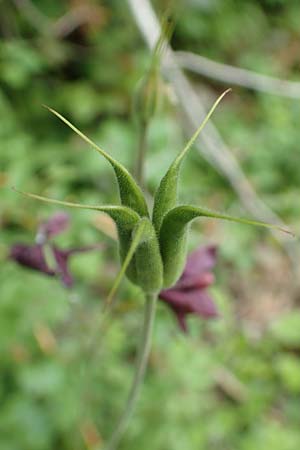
{"x":142,"y":361}
{"x":141,"y":154}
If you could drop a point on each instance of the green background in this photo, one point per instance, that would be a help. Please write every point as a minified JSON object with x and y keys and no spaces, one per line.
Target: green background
{"x":233,"y":383}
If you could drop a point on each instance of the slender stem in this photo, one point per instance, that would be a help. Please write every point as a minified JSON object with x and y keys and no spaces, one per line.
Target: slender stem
{"x":141,"y":154}
{"x":139,"y":373}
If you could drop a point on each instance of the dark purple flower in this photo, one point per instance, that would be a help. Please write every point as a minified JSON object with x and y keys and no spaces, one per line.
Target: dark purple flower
{"x":31,"y":256}
{"x":56,"y":224}
{"x":46,"y":257}
{"x":62,"y":260}
{"x":189,"y":295}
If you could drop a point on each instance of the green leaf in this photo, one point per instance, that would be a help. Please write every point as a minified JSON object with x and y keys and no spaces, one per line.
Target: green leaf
{"x":166,"y":194}
{"x":173,"y":236}
{"x":130,"y":193}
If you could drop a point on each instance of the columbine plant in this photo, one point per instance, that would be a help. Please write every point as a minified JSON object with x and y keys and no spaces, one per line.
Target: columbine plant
{"x":153,"y":249}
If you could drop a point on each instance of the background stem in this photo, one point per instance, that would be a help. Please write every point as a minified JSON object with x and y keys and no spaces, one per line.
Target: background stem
{"x":139,"y":373}
{"x":141,"y":154}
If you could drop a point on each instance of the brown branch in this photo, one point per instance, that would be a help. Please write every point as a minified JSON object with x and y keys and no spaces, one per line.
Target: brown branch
{"x":61,"y":27}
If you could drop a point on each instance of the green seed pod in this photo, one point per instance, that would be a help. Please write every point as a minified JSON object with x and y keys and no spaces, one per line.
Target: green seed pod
{"x":173,"y":239}
{"x":125,"y":231}
{"x":128,"y":259}
{"x":130,"y":193}
{"x":173,"y":236}
{"x":166,"y":194}
{"x":148,"y":261}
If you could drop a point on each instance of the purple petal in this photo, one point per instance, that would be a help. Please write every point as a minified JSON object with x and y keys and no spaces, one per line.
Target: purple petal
{"x":198,"y":267}
{"x":201,"y":260}
{"x":62,"y":260}
{"x":199,"y":281}
{"x":56,"y":224}
{"x":181,"y":320}
{"x":86,"y":248}
{"x":194,"y":301}
{"x":31,"y":256}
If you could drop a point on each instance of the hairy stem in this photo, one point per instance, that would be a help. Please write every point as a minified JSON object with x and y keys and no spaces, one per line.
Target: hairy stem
{"x":139,"y":373}
{"x":141,"y":154}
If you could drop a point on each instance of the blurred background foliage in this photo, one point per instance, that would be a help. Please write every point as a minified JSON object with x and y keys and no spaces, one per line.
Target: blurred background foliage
{"x":233,"y":383}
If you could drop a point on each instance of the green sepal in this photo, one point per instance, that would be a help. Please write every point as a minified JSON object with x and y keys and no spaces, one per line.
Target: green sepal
{"x":124,"y":217}
{"x":166,"y":194}
{"x":130,"y":193}
{"x":147,"y":258}
{"x":142,"y":263}
{"x":173,"y":236}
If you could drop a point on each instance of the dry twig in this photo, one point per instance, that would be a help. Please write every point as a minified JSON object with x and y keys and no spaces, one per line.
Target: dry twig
{"x":65,"y":25}
{"x":235,"y":75}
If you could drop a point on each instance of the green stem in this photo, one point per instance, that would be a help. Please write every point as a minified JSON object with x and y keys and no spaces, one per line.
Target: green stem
{"x":139,"y":373}
{"x":141,"y":154}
